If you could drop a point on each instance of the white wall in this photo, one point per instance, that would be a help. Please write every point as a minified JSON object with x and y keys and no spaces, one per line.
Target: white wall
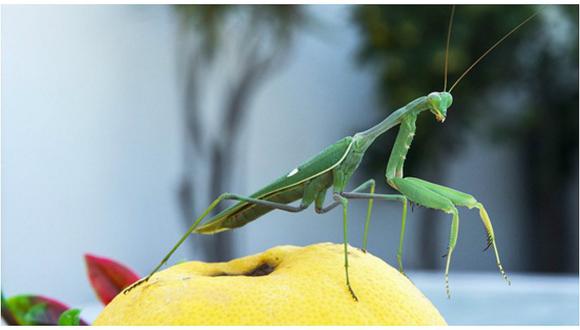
{"x":90,"y":142}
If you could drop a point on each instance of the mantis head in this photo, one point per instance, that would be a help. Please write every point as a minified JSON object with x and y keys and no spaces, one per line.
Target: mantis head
{"x":438,"y":104}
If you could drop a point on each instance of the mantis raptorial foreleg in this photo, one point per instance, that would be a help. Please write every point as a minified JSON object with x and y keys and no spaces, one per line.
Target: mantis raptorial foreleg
{"x":419,"y":194}
{"x":446,"y":199}
{"x":462,"y":199}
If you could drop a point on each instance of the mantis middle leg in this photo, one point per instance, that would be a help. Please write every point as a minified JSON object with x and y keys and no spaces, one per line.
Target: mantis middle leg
{"x":343,"y":198}
{"x":319,"y":203}
{"x":390,"y":197}
{"x":344,"y":202}
{"x":355,"y":194}
{"x":338,"y":200}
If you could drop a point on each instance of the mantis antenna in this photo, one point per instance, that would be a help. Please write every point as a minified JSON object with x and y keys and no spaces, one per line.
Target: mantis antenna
{"x":447,"y":46}
{"x":490,"y":49}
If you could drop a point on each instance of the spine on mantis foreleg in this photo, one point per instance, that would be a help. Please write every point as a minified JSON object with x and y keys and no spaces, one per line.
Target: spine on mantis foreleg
{"x":491,"y":239}
{"x":486,"y":221}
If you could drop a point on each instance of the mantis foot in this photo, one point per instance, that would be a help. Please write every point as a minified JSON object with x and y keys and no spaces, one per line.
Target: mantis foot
{"x":136,"y":284}
{"x":447,"y":290}
{"x":352,"y":293}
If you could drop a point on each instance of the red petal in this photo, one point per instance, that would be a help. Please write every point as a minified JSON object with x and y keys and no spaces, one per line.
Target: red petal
{"x":108,"y":277}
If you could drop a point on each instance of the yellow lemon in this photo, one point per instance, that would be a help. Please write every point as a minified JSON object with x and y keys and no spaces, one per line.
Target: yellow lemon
{"x":286,"y":285}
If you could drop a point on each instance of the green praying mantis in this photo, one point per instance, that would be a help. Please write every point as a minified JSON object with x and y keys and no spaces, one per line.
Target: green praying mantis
{"x":334,"y":167}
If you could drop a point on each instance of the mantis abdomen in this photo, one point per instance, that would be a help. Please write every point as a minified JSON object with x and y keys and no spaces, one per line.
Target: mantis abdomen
{"x":242,"y":213}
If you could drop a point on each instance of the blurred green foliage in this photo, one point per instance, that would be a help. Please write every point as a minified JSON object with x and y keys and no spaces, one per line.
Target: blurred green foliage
{"x":524,"y":93}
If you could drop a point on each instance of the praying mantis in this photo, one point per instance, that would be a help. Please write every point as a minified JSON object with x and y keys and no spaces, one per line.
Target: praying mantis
{"x":333,"y":168}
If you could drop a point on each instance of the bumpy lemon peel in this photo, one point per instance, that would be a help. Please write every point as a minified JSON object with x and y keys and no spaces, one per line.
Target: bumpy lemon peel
{"x":285,"y":285}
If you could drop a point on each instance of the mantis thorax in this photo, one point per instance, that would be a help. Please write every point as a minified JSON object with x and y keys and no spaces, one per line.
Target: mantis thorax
{"x":346,"y":169}
{"x":436,"y":102}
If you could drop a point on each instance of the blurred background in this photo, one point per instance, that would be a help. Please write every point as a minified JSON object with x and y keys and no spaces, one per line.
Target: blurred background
{"x":120,"y":124}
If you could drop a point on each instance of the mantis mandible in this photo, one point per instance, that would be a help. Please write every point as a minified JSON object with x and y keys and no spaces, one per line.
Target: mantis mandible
{"x":334,"y":167}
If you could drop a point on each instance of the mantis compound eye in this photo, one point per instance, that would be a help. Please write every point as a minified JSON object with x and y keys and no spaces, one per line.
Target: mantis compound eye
{"x":446,"y":100}
{"x":434,"y":100}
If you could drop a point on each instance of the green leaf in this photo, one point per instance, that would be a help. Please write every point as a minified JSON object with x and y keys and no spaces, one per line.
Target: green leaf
{"x":35,"y":313}
{"x":7,"y":314}
{"x":70,"y":317}
{"x":33,"y":310}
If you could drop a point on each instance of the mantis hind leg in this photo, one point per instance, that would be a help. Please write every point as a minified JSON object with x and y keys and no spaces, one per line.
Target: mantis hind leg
{"x":462,"y":199}
{"x":222,"y":197}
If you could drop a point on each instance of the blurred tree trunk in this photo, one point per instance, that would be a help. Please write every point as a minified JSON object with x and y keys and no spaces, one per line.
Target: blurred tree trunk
{"x":192,"y":142}
{"x":222,"y":158}
{"x":261,"y":40}
{"x":546,"y":209}
{"x":547,"y":156}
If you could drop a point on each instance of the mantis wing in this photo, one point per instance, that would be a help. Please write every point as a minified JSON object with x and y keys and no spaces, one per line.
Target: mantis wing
{"x":285,"y":189}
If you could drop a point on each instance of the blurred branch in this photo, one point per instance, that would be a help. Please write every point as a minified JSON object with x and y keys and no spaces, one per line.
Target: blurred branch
{"x":260,"y":39}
